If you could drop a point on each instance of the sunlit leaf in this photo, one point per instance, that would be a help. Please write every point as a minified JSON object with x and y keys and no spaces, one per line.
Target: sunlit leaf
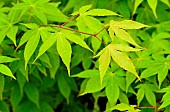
{"x":162,"y":74}
{"x":5,"y":59}
{"x":47,"y":44}
{"x":140,"y":95}
{"x":124,"y":47}
{"x":6,"y":71}
{"x":150,"y":96}
{"x":123,"y":60}
{"x":76,"y":39}
{"x":136,"y":4}
{"x":167,"y":2}
{"x":112,"y":91}
{"x":31,"y":47}
{"x":129,"y":24}
{"x":12,"y":33}
{"x":26,"y":37}
{"x":104,"y":62}
{"x":100,"y":12}
{"x":122,"y":34}
{"x":64,"y":50}
{"x":153,"y":5}
{"x":84,"y":8}
{"x":87,"y":74}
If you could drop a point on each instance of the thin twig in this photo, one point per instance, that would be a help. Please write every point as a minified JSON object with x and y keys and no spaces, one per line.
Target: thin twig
{"x":102,"y":30}
{"x":69,"y":20}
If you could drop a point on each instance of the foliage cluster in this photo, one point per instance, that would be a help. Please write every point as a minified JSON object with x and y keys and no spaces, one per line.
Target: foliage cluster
{"x":67,"y":55}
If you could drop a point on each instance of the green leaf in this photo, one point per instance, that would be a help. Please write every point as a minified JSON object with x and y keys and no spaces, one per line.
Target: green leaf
{"x":136,"y":4}
{"x":12,"y":33}
{"x":104,"y":62}
{"x":64,"y":50}
{"x":45,"y":107}
{"x":140,"y":95}
{"x":150,"y":96}
{"x":15,"y":96}
{"x":129,"y":79}
{"x":123,"y":98}
{"x":40,"y":15}
{"x":100,"y":12}
{"x":87,"y":74}
{"x":5,"y":59}
{"x":4,"y":107}
{"x":2,"y":83}
{"x":153,"y":4}
{"x":123,"y":61}
{"x":167,"y":2}
{"x":3,"y":33}
{"x":122,"y":34}
{"x":76,"y":39}
{"x":31,"y":47}
{"x":64,"y":87}
{"x":162,"y":75}
{"x":128,"y":24}
{"x":122,"y":107}
{"x":124,"y":47}
{"x":152,"y":70}
{"x":93,"y":85}
{"x":54,"y":60}
{"x":26,"y":37}
{"x":165,"y":100}
{"x":84,"y":8}
{"x":112,"y":91}
{"x":46,"y":45}
{"x":32,"y":93}
{"x":6,"y":71}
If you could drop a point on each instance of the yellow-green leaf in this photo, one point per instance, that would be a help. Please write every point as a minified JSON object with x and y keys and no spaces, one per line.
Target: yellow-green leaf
{"x":104,"y":62}
{"x":84,"y":8}
{"x":167,"y":2}
{"x":76,"y":39}
{"x":153,"y":4}
{"x":64,"y":50}
{"x":136,"y":4}
{"x":31,"y":47}
{"x":123,"y":60}
{"x":124,"y":47}
{"x":6,"y":71}
{"x":12,"y":33}
{"x":47,"y":44}
{"x":111,"y":33}
{"x":100,"y":12}
{"x":122,"y":34}
{"x":128,"y":24}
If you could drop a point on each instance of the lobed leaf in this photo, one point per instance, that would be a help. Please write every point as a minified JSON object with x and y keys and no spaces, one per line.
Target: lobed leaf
{"x":123,"y":61}
{"x":64,"y":50}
